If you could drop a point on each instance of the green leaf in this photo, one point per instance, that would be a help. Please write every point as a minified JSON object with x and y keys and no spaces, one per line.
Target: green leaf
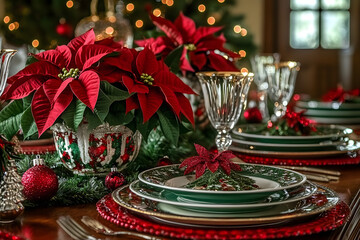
{"x":117,"y":114}
{"x":74,"y":114}
{"x":169,"y":125}
{"x":28,"y":124}
{"x":173,"y":59}
{"x":141,"y":126}
{"x":10,"y":117}
{"x":27,"y":101}
{"x":93,"y":119}
{"x":113,"y":93}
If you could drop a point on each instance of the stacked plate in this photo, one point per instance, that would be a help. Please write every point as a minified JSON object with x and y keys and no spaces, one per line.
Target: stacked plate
{"x":331,"y":112}
{"x":283,"y":195}
{"x":328,"y":140}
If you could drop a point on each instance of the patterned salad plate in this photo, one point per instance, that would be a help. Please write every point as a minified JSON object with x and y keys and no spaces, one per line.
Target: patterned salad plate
{"x":321,"y":201}
{"x":164,"y":196}
{"x":269,"y":179}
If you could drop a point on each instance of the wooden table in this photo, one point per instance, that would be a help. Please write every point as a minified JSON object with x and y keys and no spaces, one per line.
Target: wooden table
{"x":40,"y":223}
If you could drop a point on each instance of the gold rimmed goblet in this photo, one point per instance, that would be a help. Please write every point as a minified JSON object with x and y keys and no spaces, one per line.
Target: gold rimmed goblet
{"x":225,"y":95}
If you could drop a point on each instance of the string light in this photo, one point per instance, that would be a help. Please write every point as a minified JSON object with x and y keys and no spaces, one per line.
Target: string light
{"x":17,"y":25}
{"x":69,"y":4}
{"x":112,"y":19}
{"x":237,"y":29}
{"x":242,"y":53}
{"x":35,"y":43}
{"x":201,"y":8}
{"x":163,"y":2}
{"x":211,"y":20}
{"x":6,"y":19}
{"x":130,"y":7}
{"x":221,"y":1}
{"x":243,"y":32}
{"x":157,"y":12}
{"x":169,"y":2}
{"x":139,"y":23}
{"x":244,"y":70}
{"x":109,"y":30}
{"x":11,"y":26}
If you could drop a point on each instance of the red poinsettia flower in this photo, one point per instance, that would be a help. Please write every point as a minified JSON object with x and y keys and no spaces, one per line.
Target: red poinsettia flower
{"x":209,"y":160}
{"x":57,"y":76}
{"x":154,"y":84}
{"x":340,"y":95}
{"x":201,"y":48}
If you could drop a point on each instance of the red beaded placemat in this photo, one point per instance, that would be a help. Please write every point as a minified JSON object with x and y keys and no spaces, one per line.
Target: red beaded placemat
{"x":328,"y":220}
{"x":343,"y":160}
{"x":9,"y":236}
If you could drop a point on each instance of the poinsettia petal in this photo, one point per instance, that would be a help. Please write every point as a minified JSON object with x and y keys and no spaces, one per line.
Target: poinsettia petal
{"x":160,"y":45}
{"x":186,"y":26}
{"x":86,"y":88}
{"x":146,"y":62}
{"x":171,"y":81}
{"x":150,"y":102}
{"x":22,"y":87}
{"x":66,"y":54}
{"x":131,"y":103}
{"x":88,"y":55}
{"x":62,"y":87}
{"x":44,"y":114}
{"x":203,"y":152}
{"x":186,"y":108}
{"x":202,"y":32}
{"x":54,"y":57}
{"x":188,"y":161}
{"x":235,"y":167}
{"x":198,"y":59}
{"x":84,"y":39}
{"x":51,"y":87}
{"x":225,"y":165}
{"x":219,"y":63}
{"x":43,"y":68}
{"x":212,"y":165}
{"x":168,"y":28}
{"x":185,"y":65}
{"x":110,"y":43}
{"x":226,"y":155}
{"x":200,"y":170}
{"x":133,"y":86}
{"x":123,"y":61}
{"x":210,"y":43}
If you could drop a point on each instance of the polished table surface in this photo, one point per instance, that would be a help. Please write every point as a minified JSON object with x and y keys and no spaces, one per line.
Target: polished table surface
{"x":40,"y":223}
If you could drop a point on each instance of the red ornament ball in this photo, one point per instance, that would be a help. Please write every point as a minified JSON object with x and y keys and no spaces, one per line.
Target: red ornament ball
{"x":64,"y":29}
{"x":114,"y":180}
{"x":164,"y":162}
{"x":253,"y":115}
{"x":40,"y":183}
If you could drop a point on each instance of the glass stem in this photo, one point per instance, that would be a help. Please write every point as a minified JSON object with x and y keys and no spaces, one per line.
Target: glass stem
{"x":263,"y":105}
{"x":279,"y":111}
{"x":223,"y":140}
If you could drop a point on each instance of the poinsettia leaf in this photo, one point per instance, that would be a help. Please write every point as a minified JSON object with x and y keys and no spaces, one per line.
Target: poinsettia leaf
{"x":146,"y":62}
{"x":235,"y":167}
{"x":28,"y":125}
{"x":212,"y":166}
{"x":202,"y":151}
{"x":22,"y":87}
{"x":27,"y":101}
{"x":186,"y":108}
{"x":10,"y":117}
{"x":117,"y":114}
{"x":113,"y":93}
{"x":92,"y":118}
{"x":173,"y":59}
{"x":140,"y":125}
{"x":30,"y":59}
{"x":90,"y":54}
{"x":169,"y":124}
{"x":168,"y":28}
{"x":225,"y":165}
{"x":186,"y":27}
{"x":74,"y":114}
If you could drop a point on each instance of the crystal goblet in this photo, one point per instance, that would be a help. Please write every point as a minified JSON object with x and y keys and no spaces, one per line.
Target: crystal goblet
{"x":225,"y":95}
{"x":257,"y":63}
{"x":281,"y":78}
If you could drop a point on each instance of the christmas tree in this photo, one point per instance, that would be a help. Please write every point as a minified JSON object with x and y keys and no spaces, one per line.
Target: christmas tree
{"x":11,"y":195}
{"x":45,"y":24}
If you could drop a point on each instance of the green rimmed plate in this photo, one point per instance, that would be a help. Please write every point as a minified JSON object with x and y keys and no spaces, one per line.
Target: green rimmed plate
{"x":259,"y":133}
{"x":164,"y":196}
{"x":328,"y":105}
{"x":274,"y":179}
{"x":283,"y":212}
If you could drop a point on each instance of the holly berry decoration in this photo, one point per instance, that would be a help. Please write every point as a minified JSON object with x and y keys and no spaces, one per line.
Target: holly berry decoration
{"x":114,"y":179}
{"x":164,"y":161}
{"x":253,"y":115}
{"x":40,"y":182}
{"x":64,"y":29}
{"x":209,"y":160}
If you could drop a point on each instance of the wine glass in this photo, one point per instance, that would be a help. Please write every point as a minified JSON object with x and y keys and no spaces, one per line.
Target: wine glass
{"x":257,"y":64}
{"x":225,"y":95}
{"x":281,"y":78}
